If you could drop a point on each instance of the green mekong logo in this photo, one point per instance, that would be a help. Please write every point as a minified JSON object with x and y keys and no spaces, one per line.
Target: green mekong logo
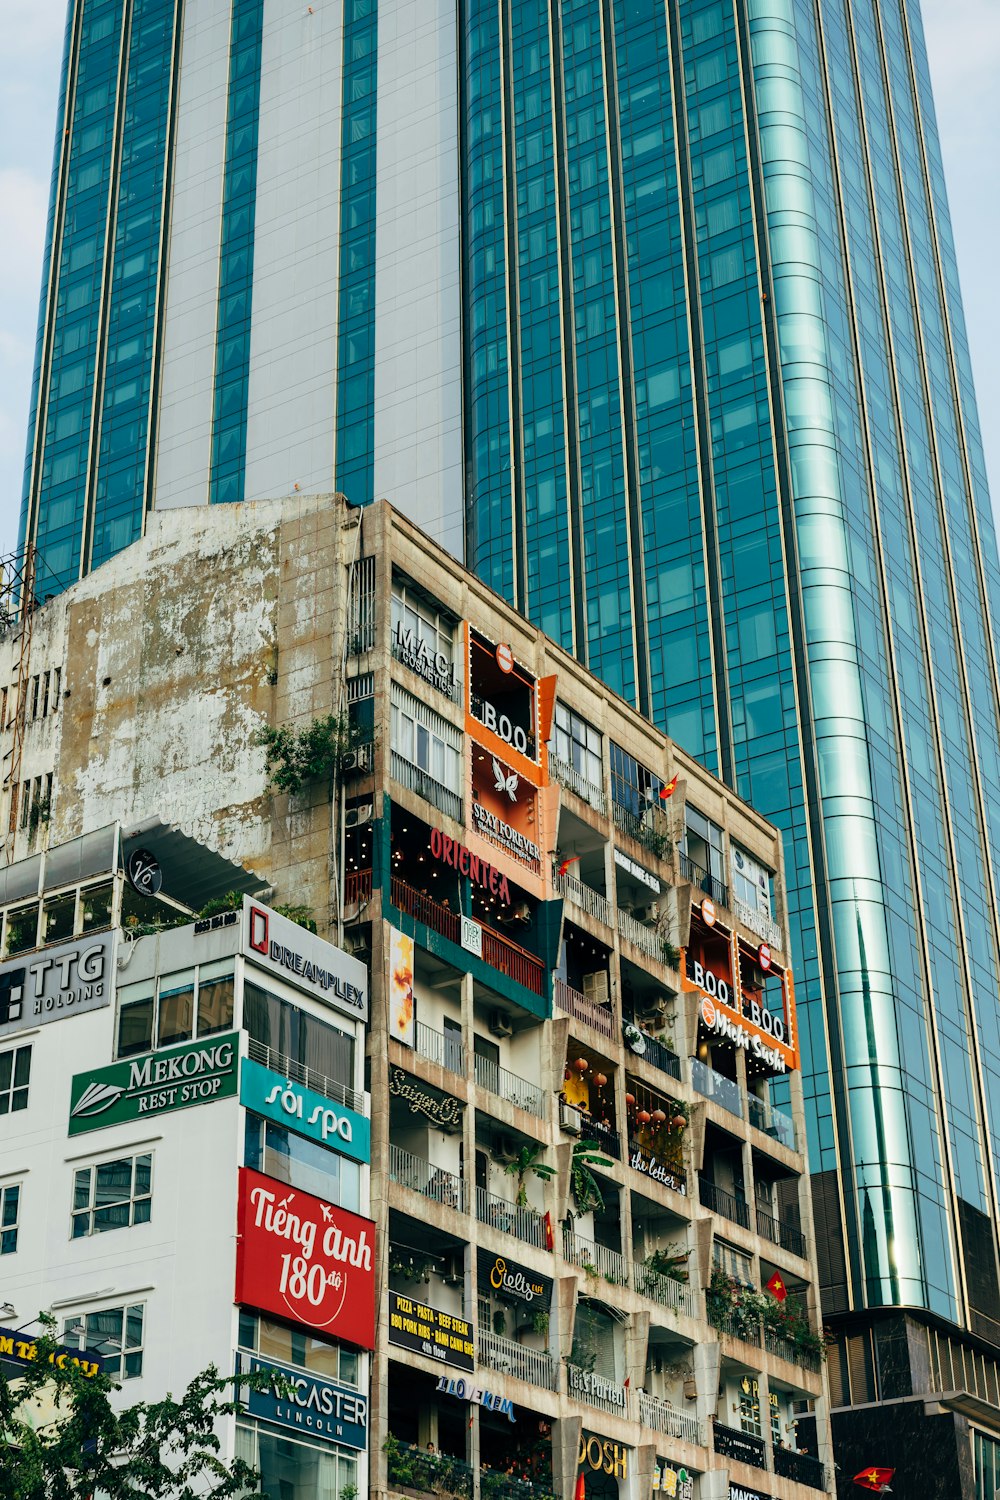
{"x":156,"y":1084}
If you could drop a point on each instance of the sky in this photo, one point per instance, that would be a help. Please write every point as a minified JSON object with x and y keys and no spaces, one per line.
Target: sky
{"x":963,"y":43}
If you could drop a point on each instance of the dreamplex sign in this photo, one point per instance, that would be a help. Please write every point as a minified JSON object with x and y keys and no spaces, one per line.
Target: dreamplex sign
{"x":303,"y":959}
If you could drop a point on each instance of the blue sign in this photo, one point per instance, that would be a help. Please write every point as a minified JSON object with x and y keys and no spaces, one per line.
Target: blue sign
{"x":303,"y":1110}
{"x":308,"y":1403}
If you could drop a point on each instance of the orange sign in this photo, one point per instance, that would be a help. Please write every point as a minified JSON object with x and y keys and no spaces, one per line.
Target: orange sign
{"x":768,"y":1038}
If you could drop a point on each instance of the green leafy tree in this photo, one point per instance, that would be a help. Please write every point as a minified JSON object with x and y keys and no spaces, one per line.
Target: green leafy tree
{"x":61,"y":1438}
{"x":524,"y":1162}
{"x":295,"y":758}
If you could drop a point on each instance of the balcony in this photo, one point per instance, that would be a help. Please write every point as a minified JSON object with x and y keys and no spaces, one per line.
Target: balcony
{"x":416,"y":780}
{"x":279,"y":1062}
{"x":646,"y":939}
{"x":800,"y":1467}
{"x":738,"y":1324}
{"x":585,"y":1385}
{"x":572,"y":1003}
{"x":525,"y":1224}
{"x":677,"y":1295}
{"x":784,"y":1348}
{"x":649,"y":1165}
{"x":516,"y":1091}
{"x":499,"y":952}
{"x":715,"y":1086}
{"x":596,"y":1260}
{"x":779,"y":1233}
{"x":719,"y":1201}
{"x":494,"y":1485}
{"x":626,"y":821}
{"x":421,"y":1177}
{"x":510,"y":1358}
{"x":606,"y":1139}
{"x":568,"y":776}
{"x":773,"y":1122}
{"x":714,"y":888}
{"x":357,"y":887}
{"x":444,"y":1048}
{"x":664,"y":1418}
{"x":427,"y":1473}
{"x":652,"y":1050}
{"x":582,"y":895}
{"x":743,"y":1446}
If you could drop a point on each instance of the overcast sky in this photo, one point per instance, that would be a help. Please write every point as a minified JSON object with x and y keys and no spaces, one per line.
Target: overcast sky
{"x":963,"y":38}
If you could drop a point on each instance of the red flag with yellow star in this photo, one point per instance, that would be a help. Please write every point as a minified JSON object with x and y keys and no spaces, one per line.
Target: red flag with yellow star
{"x":874,"y":1478}
{"x":564,"y":864}
{"x":776,"y":1286}
{"x":670,"y":787}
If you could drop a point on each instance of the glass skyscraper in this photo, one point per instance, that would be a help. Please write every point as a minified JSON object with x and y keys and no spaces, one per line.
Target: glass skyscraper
{"x":657,"y":299}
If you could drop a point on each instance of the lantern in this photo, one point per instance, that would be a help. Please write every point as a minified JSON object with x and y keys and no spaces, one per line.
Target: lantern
{"x":659,"y":1116}
{"x":600,"y":1079}
{"x":678,"y":1122}
{"x":630,"y":1100}
{"x":581,"y":1065}
{"x":643,"y":1117}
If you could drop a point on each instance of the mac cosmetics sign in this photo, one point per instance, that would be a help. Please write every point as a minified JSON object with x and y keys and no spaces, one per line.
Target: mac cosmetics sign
{"x":305,"y":960}
{"x":53,"y":983}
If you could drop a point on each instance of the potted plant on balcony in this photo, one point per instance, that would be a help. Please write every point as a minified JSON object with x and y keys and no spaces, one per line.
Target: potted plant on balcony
{"x":584,"y":1186}
{"x":670,"y":1262}
{"x":524,"y":1162}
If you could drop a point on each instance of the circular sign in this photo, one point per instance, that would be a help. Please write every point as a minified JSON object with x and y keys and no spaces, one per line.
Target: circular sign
{"x":708,"y":1012}
{"x":505,"y":657}
{"x":708,"y":912}
{"x":764,"y":957}
{"x":144,"y":873}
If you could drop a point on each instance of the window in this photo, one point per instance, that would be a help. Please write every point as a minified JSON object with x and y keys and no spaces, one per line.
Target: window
{"x":750,"y":1406}
{"x":751,"y":882}
{"x":297,"y":1467}
{"x":22,"y":929}
{"x":426,"y":740}
{"x":295,"y":1346}
{"x":115,"y":1334}
{"x":306,"y":1165}
{"x":10,"y":1203}
{"x":423,"y":636}
{"x":326,"y":1052}
{"x":112,"y":1195}
{"x":15,"y":1069}
{"x":158,"y":1013}
{"x":703,"y":843}
{"x":632,"y":786}
{"x":579,"y":745}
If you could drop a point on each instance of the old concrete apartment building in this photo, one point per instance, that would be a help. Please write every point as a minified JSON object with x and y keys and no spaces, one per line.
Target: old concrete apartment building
{"x":591,"y":1240}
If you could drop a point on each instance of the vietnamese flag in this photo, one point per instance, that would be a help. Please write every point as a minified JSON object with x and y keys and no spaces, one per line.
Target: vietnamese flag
{"x":874,"y":1479}
{"x":670,"y":788}
{"x":581,"y":1489}
{"x":565,"y":864}
{"x":777,"y":1287}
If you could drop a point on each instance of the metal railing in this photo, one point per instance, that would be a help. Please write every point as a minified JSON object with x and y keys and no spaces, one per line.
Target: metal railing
{"x":586,"y":1385}
{"x":431,"y":1473}
{"x":719,"y":1201}
{"x":642,"y":1160}
{"x":499,"y":952}
{"x":715,"y":1086}
{"x":279,"y":1062}
{"x":745,"y":1447}
{"x":416,"y":780}
{"x":441,"y":1047}
{"x":598,"y":1260}
{"x":525,"y":1224}
{"x":534,"y":1365}
{"x":646,"y":939}
{"x":582,"y":895}
{"x":429,"y":1181}
{"x":773,"y":1122}
{"x":651,"y":838}
{"x":800,"y":1467}
{"x":357,"y":887}
{"x":677,"y":1295}
{"x":794,"y":1353}
{"x":729,"y":1320}
{"x":604,"y":1137}
{"x":779,"y":1233}
{"x":699,"y":876}
{"x":517,"y":1091}
{"x":569,"y":1000}
{"x":570,"y":777}
{"x":653,"y":1412}
{"x":495,"y":1485}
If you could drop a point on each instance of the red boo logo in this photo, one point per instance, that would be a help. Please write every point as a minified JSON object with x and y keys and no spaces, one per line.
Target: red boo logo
{"x":302,"y":1258}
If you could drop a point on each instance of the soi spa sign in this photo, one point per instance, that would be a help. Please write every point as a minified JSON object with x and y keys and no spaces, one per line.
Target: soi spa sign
{"x":301,"y":1258}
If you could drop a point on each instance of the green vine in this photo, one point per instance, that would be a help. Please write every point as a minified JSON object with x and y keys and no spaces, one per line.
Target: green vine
{"x":729,"y":1301}
{"x":295,"y":758}
{"x":583,"y":1184}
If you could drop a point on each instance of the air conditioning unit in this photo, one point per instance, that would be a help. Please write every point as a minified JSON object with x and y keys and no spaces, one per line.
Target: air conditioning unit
{"x":500,"y":1023}
{"x":652,"y":912}
{"x":357,"y":817}
{"x":627,"y":907}
{"x":352,"y":760}
{"x":570,"y":1119}
{"x":596,"y":987}
{"x":454,"y":1272}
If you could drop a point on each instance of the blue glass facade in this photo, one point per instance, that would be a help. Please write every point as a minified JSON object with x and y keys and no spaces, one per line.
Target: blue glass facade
{"x":771,"y":523}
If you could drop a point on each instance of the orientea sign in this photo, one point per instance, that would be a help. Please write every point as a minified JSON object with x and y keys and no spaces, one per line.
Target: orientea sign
{"x":304,"y":1259}
{"x":301,"y":958}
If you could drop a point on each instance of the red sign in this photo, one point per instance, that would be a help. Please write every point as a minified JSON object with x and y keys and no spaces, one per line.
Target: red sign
{"x":301,"y":1258}
{"x":505,"y":657}
{"x":708,"y":912}
{"x":764,"y":957}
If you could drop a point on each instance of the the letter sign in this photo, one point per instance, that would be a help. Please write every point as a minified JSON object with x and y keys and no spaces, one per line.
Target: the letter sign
{"x":301,"y":1258}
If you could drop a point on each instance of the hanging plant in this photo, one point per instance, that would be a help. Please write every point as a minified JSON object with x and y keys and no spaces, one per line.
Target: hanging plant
{"x":294,"y":758}
{"x":583,"y":1184}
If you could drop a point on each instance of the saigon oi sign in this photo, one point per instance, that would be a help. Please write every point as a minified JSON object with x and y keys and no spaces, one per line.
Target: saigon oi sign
{"x":299,"y":1257}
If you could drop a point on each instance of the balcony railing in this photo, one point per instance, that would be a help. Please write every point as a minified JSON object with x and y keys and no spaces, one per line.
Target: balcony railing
{"x":637,"y":828}
{"x":654,"y":1051}
{"x":518,"y":1091}
{"x":511,"y":1358}
{"x":575,"y":780}
{"x":523,"y":1223}
{"x":713,"y":887}
{"x":780,"y":1233}
{"x":676,"y":1295}
{"x":667,"y":1419}
{"x":499,"y":952}
{"x":428,"y":1473}
{"x":743,"y":1446}
{"x":416,"y":780}
{"x":598,"y":1260}
{"x":773,"y":1122}
{"x":800,"y":1467}
{"x":586,"y":1385}
{"x":444,"y":1048}
{"x":604,"y":1137}
{"x":421,"y":1177}
{"x":715,"y":1086}
{"x":570,"y":1001}
{"x":719,"y":1201}
{"x":732,"y":1321}
{"x":794,"y":1353}
{"x":646,"y":939}
{"x":495,"y":1485}
{"x":279,"y":1062}
{"x":357,"y":887}
{"x":583,"y":896}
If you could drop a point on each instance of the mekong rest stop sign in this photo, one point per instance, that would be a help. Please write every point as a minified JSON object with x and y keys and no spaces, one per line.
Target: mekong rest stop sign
{"x":140,"y":1087}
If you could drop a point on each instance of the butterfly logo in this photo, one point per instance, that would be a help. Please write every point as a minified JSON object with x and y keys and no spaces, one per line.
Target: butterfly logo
{"x":505,"y":783}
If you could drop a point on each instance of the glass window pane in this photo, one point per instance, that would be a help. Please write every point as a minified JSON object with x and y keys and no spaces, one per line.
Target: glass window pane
{"x":215,"y":1005}
{"x":176,"y":1012}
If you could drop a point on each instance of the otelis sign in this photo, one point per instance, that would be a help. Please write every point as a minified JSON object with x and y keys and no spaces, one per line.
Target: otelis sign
{"x":175,"y":1078}
{"x":301,"y":1258}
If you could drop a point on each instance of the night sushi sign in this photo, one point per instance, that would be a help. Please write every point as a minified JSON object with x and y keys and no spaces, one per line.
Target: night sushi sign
{"x":174,"y":1078}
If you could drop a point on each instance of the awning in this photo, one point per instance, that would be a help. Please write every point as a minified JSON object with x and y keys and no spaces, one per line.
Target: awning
{"x":192,"y":872}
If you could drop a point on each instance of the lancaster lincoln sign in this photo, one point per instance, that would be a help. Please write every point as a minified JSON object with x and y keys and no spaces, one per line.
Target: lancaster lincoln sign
{"x":309,"y":1404}
{"x":305,"y":960}
{"x":55,"y":982}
